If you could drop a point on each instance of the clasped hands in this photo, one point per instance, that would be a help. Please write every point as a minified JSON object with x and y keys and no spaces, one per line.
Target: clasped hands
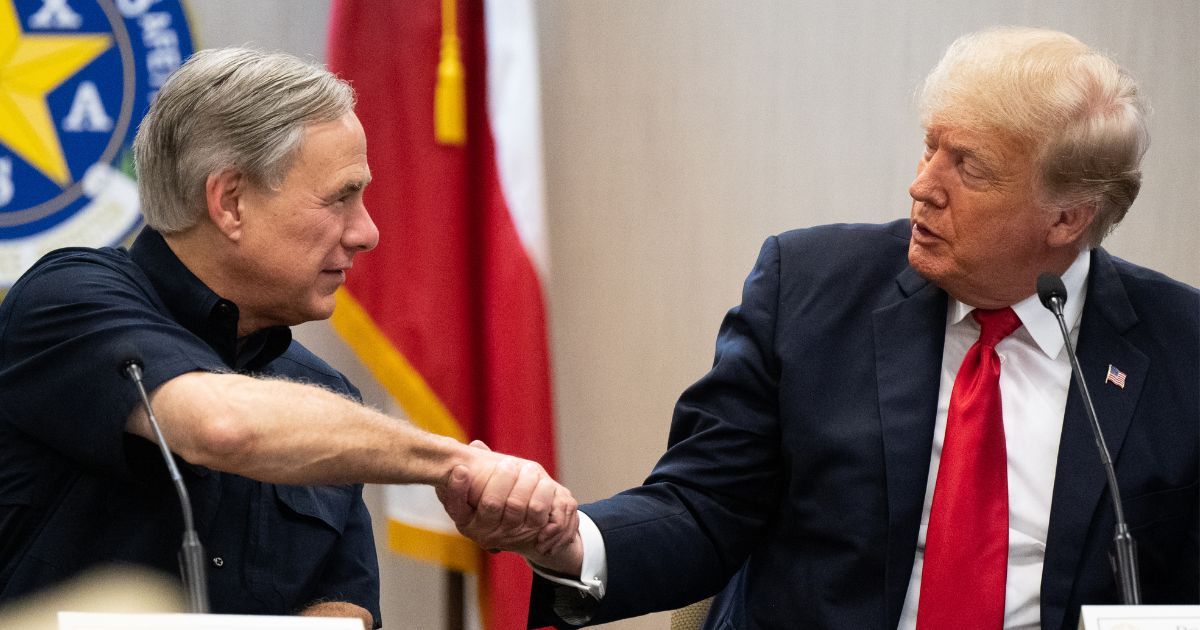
{"x":508,"y":504}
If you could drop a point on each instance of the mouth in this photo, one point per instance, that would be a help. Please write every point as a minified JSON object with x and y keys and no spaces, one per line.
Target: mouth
{"x":922,"y":234}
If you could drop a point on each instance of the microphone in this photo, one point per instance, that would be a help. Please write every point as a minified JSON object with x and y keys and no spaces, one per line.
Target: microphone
{"x":191,"y":553}
{"x":1053,"y":294}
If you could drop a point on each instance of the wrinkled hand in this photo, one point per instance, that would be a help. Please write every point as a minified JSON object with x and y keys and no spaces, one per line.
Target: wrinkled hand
{"x":506,"y":503}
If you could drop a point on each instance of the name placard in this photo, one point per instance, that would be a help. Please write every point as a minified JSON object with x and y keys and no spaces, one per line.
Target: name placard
{"x":1139,"y":618}
{"x":184,"y":621}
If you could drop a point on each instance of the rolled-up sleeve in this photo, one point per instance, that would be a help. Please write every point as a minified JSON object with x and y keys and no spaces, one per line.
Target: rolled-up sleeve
{"x":63,"y":331}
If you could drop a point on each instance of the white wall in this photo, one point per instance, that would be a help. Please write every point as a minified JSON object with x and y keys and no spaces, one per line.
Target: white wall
{"x":680,"y":133}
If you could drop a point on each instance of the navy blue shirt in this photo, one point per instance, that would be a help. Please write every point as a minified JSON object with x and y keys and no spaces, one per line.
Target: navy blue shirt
{"x":76,"y":490}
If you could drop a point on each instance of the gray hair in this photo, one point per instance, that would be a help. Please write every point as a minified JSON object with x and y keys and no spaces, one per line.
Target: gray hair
{"x":228,"y":108}
{"x":1079,"y":111}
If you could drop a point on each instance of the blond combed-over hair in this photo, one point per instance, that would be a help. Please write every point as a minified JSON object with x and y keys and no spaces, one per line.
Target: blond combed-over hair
{"x":1081,"y":114}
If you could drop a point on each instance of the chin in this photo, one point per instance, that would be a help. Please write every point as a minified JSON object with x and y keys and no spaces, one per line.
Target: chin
{"x":924,"y":262}
{"x":327,"y":308}
{"x":320,"y":314}
{"x":315,"y":310}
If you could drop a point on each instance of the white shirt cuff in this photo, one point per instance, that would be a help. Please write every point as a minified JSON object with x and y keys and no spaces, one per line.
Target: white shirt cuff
{"x":594,"y":571}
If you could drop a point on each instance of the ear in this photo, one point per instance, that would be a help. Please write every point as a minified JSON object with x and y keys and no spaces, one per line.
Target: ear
{"x":224,"y":195}
{"x":1070,"y":225}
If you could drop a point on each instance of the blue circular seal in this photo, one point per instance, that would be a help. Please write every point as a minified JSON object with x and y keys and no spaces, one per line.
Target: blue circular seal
{"x":76,"y":77}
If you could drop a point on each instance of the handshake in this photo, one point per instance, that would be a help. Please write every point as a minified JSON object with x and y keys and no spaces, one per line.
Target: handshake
{"x":504,"y":503}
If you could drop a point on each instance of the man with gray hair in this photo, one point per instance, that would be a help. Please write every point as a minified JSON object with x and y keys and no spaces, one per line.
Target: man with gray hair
{"x":889,"y":435}
{"x":251,"y":172}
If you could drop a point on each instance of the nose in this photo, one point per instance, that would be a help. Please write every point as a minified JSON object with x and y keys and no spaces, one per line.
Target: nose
{"x":361,"y":234}
{"x":927,"y":187}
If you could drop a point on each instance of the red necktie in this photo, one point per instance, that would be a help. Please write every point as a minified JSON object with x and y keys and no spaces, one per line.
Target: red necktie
{"x":966,"y":545}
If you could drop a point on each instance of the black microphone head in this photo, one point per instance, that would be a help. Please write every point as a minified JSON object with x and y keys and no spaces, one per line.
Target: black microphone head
{"x":1050,"y":286}
{"x":127,"y":355}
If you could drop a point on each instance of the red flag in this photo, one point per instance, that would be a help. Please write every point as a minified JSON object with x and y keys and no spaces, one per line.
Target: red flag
{"x":448,"y":311}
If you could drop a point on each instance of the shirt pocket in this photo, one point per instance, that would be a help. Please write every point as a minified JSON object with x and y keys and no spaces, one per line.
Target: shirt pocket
{"x":319,"y":506}
{"x":1146,"y":511}
{"x":298,"y":531}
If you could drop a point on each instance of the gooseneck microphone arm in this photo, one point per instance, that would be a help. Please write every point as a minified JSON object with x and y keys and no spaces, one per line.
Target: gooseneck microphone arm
{"x":191,"y":553}
{"x":1053,"y":294}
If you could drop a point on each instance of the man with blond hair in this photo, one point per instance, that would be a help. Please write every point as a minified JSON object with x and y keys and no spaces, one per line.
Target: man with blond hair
{"x":889,"y":436}
{"x":251,"y":174}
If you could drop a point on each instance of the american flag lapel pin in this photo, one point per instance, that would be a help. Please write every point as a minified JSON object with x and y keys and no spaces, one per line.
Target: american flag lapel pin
{"x":1115,"y":376}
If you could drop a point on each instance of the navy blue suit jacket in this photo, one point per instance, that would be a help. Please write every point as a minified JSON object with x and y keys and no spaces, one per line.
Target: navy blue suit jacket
{"x":796,"y":469}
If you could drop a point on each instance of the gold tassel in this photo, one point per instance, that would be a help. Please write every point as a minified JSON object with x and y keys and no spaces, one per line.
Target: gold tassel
{"x":450,"y":95}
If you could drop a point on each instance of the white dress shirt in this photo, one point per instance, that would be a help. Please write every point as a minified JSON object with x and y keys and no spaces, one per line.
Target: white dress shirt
{"x":1035,"y":375}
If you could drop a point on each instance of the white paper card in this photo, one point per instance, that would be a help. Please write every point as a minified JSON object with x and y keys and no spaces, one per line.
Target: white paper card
{"x":1139,"y":618}
{"x":184,"y":621}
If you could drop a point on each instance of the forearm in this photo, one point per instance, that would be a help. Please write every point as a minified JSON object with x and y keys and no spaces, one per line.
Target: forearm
{"x":283,"y":432}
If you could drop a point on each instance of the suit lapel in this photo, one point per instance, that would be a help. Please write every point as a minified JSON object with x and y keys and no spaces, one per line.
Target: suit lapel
{"x":909,"y":335}
{"x":1080,"y":484}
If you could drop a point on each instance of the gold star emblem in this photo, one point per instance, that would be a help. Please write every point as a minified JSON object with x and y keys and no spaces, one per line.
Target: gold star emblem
{"x":32,"y":66}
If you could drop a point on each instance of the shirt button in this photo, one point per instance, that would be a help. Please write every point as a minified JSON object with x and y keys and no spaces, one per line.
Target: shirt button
{"x":218,"y":562}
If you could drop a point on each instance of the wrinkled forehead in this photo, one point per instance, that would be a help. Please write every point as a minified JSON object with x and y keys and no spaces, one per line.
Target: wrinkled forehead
{"x":995,"y":144}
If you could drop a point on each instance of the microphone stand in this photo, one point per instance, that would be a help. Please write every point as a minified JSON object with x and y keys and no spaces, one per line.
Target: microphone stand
{"x":191,"y":553}
{"x":1125,"y":548}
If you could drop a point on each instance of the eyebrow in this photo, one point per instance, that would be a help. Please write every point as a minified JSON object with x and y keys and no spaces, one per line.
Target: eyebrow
{"x":986,"y":159}
{"x":349,"y":188}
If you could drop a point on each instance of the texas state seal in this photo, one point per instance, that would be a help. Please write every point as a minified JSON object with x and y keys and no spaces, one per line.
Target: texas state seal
{"x":76,"y":76}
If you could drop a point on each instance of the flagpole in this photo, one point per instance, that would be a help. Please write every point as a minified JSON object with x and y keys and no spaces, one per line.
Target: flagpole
{"x":455,"y":599}
{"x":449,"y":118}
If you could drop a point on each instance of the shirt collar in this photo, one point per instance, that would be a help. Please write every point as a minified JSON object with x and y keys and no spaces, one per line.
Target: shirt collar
{"x":190,"y":301}
{"x":200,"y":310}
{"x":1041,"y":324}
